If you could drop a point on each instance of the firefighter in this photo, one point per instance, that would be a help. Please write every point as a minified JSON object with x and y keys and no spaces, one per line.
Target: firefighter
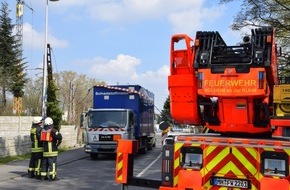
{"x":165,"y":127}
{"x":36,"y":148}
{"x":51,"y":140}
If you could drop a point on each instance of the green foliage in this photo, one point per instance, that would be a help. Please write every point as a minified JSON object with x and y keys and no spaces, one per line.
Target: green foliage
{"x":19,"y":81}
{"x":7,"y":159}
{"x":53,"y":109}
{"x":165,"y":113}
{"x":12,"y":75}
{"x":275,"y":13}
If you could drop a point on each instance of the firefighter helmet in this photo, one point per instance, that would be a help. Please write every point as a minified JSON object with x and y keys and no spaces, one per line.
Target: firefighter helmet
{"x":48,"y":121}
{"x":37,"y":120}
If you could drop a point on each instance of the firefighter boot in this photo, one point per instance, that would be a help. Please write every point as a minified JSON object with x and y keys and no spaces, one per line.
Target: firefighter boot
{"x":38,"y":177}
{"x":43,"y":178}
{"x":31,"y":174}
{"x":51,"y":178}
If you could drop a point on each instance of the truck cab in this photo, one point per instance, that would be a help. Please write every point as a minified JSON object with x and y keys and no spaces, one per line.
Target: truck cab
{"x":119,"y":112}
{"x":104,"y":127}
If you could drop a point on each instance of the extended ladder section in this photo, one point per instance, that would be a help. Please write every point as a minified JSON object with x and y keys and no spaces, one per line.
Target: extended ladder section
{"x":240,"y":77}
{"x":227,"y":88}
{"x":257,"y":50}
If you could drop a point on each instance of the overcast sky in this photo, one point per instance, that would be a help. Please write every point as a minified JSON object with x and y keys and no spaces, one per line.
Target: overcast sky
{"x":119,"y":41}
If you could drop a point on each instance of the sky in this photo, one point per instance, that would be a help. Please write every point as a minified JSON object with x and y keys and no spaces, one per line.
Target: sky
{"x":118,"y":41}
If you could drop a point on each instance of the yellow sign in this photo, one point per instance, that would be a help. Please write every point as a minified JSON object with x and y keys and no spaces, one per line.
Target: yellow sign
{"x":230,"y":86}
{"x":230,"y":83}
{"x":19,"y":10}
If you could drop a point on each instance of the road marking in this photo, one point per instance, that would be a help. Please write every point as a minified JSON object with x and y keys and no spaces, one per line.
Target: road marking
{"x":145,"y":169}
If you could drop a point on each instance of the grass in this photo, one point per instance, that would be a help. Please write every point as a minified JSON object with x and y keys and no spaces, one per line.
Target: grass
{"x":6,"y":159}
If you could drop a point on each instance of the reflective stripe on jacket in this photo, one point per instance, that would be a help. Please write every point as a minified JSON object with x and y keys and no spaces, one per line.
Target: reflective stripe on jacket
{"x":36,"y":144}
{"x":50,"y":149}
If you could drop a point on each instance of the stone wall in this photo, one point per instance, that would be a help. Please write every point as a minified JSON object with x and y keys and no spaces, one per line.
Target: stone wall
{"x":15,"y":135}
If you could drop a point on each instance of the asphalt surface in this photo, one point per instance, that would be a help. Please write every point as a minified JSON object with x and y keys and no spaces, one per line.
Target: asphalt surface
{"x":16,"y":169}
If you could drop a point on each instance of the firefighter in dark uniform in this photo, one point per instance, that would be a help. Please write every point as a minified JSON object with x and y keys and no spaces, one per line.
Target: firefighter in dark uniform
{"x":51,"y":140}
{"x":36,"y":148}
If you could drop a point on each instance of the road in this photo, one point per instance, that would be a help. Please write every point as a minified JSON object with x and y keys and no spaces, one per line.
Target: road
{"x":92,"y":174}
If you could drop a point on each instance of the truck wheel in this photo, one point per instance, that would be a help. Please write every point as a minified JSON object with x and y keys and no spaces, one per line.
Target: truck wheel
{"x":94,"y":156}
{"x":149,"y":146}
{"x":143,"y":150}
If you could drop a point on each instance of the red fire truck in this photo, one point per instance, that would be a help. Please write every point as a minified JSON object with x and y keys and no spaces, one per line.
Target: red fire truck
{"x":234,"y":92}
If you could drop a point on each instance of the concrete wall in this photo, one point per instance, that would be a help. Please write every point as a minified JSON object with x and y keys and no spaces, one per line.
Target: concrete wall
{"x":15,"y":135}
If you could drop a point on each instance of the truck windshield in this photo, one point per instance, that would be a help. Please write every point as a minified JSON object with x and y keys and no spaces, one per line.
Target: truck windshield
{"x":107,"y":119}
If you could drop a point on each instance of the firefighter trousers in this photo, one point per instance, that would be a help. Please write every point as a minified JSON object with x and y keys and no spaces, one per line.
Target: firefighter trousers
{"x":35,"y":164}
{"x":48,"y":168}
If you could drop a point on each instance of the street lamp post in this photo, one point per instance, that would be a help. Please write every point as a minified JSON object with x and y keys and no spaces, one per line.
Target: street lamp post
{"x":44,"y":88}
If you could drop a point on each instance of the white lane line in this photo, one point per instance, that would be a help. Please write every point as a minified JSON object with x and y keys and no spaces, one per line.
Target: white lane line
{"x":145,"y":169}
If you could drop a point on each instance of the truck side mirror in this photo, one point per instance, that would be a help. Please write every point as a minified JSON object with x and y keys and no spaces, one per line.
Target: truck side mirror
{"x":163,"y":125}
{"x":83,"y":115}
{"x":131,"y":119}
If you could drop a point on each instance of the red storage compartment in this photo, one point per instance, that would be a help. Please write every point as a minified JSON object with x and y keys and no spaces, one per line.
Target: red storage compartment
{"x":183,"y":99}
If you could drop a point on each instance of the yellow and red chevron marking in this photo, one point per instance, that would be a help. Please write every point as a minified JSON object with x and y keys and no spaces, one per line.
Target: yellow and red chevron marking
{"x":176,"y":165}
{"x":119,"y":167}
{"x":232,"y":162}
{"x":106,"y":129}
{"x":177,"y":160}
{"x":226,"y":160}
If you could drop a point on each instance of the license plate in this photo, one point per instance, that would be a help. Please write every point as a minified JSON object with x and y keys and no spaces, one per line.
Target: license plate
{"x":226,"y":182}
{"x":106,"y":137}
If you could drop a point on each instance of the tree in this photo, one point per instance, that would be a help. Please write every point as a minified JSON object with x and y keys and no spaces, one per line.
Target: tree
{"x":33,"y":99}
{"x":275,"y":13}
{"x":67,"y":80}
{"x":165,"y":113}
{"x":53,"y":109}
{"x":75,"y":94}
{"x":255,"y":13}
{"x":12,"y":76}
